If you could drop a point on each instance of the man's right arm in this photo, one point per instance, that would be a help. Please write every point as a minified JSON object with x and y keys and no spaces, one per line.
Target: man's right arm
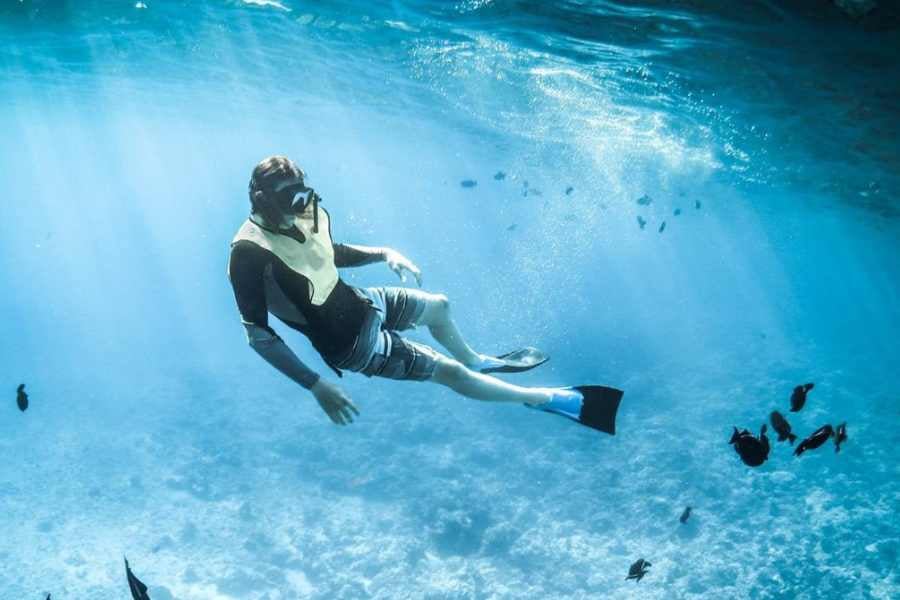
{"x":275,"y":352}
{"x":246,"y":269}
{"x":331,"y":398}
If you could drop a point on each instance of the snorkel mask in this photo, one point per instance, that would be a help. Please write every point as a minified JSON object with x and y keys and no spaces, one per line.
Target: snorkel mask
{"x":289,"y":200}
{"x":294,"y":198}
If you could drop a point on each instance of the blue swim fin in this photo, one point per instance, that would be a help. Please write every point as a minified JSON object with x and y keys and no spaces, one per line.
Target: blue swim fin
{"x":597,"y":409}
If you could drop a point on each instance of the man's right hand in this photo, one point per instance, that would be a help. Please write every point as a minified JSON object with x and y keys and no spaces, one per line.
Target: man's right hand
{"x":334,"y":402}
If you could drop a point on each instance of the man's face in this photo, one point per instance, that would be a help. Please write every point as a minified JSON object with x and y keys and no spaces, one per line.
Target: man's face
{"x":290,"y":196}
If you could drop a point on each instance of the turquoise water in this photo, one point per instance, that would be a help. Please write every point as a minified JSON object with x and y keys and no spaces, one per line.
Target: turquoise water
{"x":129,"y":133}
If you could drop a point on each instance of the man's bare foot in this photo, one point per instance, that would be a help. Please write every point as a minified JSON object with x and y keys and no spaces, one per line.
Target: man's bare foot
{"x":483,"y":361}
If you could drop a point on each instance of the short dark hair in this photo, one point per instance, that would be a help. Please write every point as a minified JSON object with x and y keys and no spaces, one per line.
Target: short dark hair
{"x":270,"y":171}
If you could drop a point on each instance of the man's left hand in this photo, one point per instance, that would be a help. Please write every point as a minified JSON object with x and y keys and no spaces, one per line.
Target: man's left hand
{"x":399,"y":264}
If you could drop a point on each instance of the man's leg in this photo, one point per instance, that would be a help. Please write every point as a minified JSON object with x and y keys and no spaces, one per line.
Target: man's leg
{"x":436,"y":317}
{"x":408,"y":360}
{"x":479,"y":386}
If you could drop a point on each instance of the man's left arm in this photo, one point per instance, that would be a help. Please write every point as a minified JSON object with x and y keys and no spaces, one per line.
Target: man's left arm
{"x":351,"y":255}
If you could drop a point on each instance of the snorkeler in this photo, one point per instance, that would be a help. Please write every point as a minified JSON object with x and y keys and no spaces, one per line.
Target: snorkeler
{"x":283,"y":261}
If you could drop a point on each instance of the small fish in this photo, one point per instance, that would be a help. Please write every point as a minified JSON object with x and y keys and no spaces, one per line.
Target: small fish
{"x":535,"y":192}
{"x":815,"y":439}
{"x":840,"y":436}
{"x":569,"y":190}
{"x":363,"y":480}
{"x":645,"y":200}
{"x":22,"y":397}
{"x":137,"y":587}
{"x":677,"y":212}
{"x":685,"y":515}
{"x":499,"y":175}
{"x":798,"y":398}
{"x":638,"y":570}
{"x":782,"y":427}
{"x":641,"y":222}
{"x":697,"y":205}
{"x":525,"y":183}
{"x":512,"y":227}
{"x":468,"y":183}
{"x":662,"y":227}
{"x":753,"y":451}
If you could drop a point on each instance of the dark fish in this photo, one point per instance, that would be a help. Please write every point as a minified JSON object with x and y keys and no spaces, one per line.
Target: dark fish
{"x":782,"y":427}
{"x":798,"y":398}
{"x":697,"y":204}
{"x":645,"y":200}
{"x":816,"y":439}
{"x":840,"y":436}
{"x":511,"y":227}
{"x":753,"y":451}
{"x":638,"y":570}
{"x":569,"y":190}
{"x":468,"y":183}
{"x":525,"y":183}
{"x":138,"y":589}
{"x":677,"y":212}
{"x":21,"y":397}
{"x":685,"y":515}
{"x":499,"y":175}
{"x":662,"y":227}
{"x":641,"y":222}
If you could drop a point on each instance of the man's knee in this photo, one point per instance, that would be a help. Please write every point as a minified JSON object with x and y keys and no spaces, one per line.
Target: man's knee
{"x":437,"y":310}
{"x":449,"y":371}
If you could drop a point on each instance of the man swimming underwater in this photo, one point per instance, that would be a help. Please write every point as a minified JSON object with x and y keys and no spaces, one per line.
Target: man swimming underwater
{"x":283,"y":261}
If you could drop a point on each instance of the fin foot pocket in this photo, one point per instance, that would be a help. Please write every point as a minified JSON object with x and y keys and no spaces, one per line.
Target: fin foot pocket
{"x":519,"y":360}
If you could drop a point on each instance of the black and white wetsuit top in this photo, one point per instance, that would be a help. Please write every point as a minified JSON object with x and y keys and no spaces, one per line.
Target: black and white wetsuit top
{"x":263,"y":283}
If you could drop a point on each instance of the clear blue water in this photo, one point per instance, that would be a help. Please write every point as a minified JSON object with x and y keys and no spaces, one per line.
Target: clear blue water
{"x":128,"y":136}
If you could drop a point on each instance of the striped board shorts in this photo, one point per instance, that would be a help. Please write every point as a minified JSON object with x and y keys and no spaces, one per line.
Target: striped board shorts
{"x":379,"y":350}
